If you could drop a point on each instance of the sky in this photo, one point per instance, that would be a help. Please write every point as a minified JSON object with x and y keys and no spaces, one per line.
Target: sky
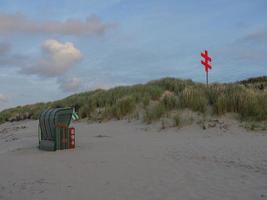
{"x":52,"y":49}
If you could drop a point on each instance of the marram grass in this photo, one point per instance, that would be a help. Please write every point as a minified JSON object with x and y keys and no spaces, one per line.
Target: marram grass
{"x":157,"y":98}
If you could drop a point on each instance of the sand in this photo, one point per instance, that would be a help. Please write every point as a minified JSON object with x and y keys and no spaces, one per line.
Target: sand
{"x":118,"y":160}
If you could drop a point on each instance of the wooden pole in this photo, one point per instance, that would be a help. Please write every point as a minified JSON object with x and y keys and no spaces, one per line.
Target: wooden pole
{"x":207,"y":78}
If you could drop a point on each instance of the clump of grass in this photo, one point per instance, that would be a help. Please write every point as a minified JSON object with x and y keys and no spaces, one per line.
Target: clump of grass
{"x":146,"y":101}
{"x":177,"y":120}
{"x":194,"y":98}
{"x":248,"y":103}
{"x":255,"y":107}
{"x":154,"y":92}
{"x":3,"y":117}
{"x":173,"y":85}
{"x":83,"y":112}
{"x":170,"y":102}
{"x":255,"y":126}
{"x":220,"y":106}
{"x":213,"y":92}
{"x":154,"y":112}
{"x":123,"y":107}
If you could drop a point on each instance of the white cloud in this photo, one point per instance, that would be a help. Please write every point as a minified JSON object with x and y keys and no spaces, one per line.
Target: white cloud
{"x":57,"y":58}
{"x":3,"y":98}
{"x":18,"y":23}
{"x":71,"y":85}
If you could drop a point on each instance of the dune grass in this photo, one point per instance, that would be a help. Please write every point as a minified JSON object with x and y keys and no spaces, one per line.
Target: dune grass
{"x":158,"y":98}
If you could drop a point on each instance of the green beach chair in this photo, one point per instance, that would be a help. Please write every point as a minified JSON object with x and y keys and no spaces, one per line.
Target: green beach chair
{"x":53,"y":130}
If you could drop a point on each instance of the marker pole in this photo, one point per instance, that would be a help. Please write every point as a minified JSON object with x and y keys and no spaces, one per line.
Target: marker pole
{"x":207,"y":78}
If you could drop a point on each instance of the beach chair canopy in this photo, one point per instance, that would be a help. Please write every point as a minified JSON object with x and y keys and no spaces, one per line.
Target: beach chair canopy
{"x":52,"y":118}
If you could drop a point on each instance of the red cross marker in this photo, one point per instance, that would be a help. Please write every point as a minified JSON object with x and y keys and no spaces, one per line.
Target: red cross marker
{"x":206,"y":63}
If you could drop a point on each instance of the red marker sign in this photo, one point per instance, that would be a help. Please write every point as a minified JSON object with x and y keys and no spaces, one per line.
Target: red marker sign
{"x":206,"y":63}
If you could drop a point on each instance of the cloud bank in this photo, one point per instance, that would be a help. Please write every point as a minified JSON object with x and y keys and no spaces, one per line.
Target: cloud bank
{"x":18,"y":23}
{"x":71,"y":85}
{"x":56,"y":59}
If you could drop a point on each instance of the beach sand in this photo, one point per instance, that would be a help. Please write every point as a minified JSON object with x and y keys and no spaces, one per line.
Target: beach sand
{"x":118,"y":160}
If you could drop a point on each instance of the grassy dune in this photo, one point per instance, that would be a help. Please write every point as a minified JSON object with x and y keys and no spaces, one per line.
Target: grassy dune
{"x":161,"y":98}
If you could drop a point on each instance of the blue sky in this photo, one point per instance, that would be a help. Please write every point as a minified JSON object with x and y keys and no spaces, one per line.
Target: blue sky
{"x":51,"y":49}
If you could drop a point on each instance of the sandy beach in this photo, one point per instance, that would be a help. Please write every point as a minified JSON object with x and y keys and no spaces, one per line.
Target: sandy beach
{"x":118,"y":160}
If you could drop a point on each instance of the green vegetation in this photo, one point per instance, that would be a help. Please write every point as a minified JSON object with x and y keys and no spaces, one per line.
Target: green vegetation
{"x":177,"y":120}
{"x":154,"y":112}
{"x":194,"y":98}
{"x":259,"y":83}
{"x":157,"y":99}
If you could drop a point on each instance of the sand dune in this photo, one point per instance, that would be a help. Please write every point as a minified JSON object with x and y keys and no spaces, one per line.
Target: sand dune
{"x":118,"y":160}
